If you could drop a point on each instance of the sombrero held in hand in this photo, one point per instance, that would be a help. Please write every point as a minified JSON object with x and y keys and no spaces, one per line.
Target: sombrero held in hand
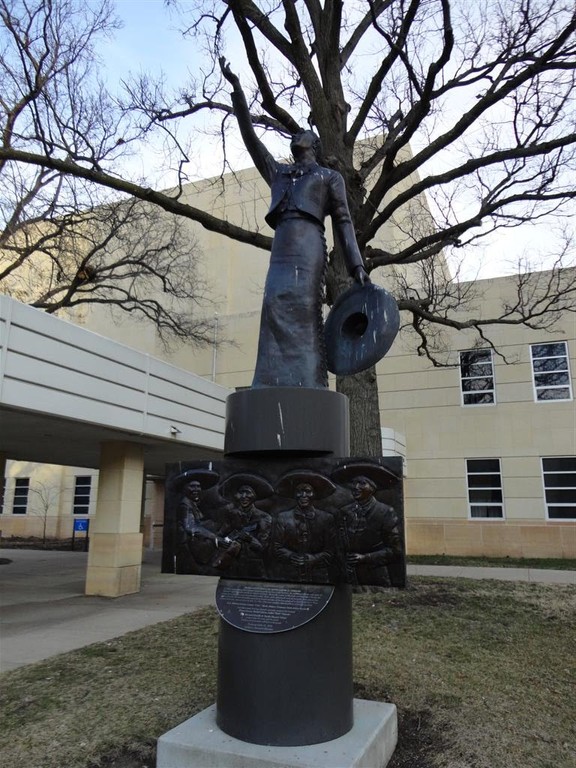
{"x":360,"y":329}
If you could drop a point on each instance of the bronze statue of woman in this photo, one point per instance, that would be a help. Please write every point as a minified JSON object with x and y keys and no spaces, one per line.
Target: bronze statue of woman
{"x":291,"y":349}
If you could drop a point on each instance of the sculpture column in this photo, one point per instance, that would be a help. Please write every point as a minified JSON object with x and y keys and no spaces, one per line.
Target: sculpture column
{"x":298,"y":682}
{"x":285,"y":683}
{"x":3,"y":461}
{"x":115,"y":556}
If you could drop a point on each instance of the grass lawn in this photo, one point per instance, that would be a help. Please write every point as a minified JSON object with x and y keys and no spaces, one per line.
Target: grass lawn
{"x":482,"y":672}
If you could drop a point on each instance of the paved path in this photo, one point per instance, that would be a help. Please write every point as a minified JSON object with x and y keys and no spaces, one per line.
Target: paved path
{"x":43,"y":610}
{"x":536,"y":575}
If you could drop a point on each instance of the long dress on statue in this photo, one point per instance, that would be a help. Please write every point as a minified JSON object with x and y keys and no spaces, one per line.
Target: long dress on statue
{"x":291,"y":348}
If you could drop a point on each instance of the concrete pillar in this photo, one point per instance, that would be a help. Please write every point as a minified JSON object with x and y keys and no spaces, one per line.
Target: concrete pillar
{"x":3,"y":462}
{"x":115,"y":556}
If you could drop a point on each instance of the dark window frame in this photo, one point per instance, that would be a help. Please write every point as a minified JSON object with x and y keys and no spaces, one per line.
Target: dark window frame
{"x":21,"y":496}
{"x":470,"y":379}
{"x":482,"y":492}
{"x":560,"y":471}
{"x":81,"y":499}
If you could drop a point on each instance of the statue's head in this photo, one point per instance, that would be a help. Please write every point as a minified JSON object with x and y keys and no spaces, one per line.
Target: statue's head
{"x":245,"y":496}
{"x":193,"y":490}
{"x":305,"y":141}
{"x":363,"y":488}
{"x":304,"y":495}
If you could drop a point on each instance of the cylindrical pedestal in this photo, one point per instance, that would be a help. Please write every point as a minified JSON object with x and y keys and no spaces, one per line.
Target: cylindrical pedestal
{"x":290,"y":688}
{"x":287,"y":420}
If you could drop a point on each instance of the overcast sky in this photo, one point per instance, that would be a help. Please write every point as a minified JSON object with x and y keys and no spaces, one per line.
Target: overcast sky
{"x":150,"y":42}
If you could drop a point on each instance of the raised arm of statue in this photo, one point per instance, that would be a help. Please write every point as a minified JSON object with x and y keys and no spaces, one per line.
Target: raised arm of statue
{"x":261,"y":157}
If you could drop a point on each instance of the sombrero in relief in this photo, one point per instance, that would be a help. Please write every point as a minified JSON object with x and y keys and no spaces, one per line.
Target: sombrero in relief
{"x":322,"y":486}
{"x":380,"y":476}
{"x":232,"y":484}
{"x":206,"y":477}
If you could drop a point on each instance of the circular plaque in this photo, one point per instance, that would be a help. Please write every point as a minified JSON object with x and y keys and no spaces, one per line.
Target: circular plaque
{"x":268,"y":607}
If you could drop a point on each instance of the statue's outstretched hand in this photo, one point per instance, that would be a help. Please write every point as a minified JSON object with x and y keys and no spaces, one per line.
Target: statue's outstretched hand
{"x":361,"y":276}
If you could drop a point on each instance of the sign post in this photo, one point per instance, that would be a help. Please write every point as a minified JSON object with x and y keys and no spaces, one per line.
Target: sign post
{"x":81,"y":525}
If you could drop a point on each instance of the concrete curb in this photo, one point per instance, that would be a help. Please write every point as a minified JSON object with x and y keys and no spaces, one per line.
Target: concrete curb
{"x":535,"y":575}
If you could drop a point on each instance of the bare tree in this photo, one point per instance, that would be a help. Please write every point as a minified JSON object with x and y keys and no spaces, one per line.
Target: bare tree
{"x":60,"y":251}
{"x":480,"y":91}
{"x":46,"y":498}
{"x":65,"y":242}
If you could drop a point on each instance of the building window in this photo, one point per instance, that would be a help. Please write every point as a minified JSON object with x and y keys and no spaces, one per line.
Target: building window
{"x":82,"y":495}
{"x":21,"y":489}
{"x":477,"y":377}
{"x":559,"y":473}
{"x":551,"y":371}
{"x":484,"y":488}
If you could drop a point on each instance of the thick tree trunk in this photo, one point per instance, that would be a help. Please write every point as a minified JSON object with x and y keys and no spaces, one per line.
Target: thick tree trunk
{"x":362,"y":391}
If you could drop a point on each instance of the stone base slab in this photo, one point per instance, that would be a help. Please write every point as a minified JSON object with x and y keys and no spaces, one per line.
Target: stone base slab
{"x":199,"y":743}
{"x":114,"y":564}
{"x":113,"y":582}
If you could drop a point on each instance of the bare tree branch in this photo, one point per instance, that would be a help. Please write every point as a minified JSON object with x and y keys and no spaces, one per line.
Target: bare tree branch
{"x":465,"y":114}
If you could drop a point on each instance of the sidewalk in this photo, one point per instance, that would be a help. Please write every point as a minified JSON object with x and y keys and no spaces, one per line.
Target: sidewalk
{"x":535,"y":575}
{"x":44,"y":611}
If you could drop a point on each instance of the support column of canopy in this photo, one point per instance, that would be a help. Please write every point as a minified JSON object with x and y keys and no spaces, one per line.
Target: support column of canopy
{"x":115,"y":556}
{"x":3,"y":462}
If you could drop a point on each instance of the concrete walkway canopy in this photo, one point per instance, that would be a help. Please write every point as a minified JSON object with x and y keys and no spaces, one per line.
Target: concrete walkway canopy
{"x":69,"y":396}
{"x":65,"y":390}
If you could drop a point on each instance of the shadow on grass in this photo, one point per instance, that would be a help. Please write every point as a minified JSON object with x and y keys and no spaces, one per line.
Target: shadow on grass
{"x":418,"y":741}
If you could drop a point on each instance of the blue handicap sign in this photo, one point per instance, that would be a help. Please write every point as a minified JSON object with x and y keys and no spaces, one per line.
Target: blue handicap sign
{"x":81,"y":526}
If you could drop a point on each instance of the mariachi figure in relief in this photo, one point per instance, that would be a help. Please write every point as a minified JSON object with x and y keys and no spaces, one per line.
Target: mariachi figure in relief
{"x":304,"y":537}
{"x":244,"y":538}
{"x":370,"y":535}
{"x":195,"y":533}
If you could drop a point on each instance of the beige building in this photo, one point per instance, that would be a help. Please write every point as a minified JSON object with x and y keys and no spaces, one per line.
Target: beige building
{"x":489,"y":445}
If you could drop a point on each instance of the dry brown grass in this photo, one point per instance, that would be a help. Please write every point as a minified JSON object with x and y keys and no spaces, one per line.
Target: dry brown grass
{"x":486,"y":668}
{"x":482,"y":673}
